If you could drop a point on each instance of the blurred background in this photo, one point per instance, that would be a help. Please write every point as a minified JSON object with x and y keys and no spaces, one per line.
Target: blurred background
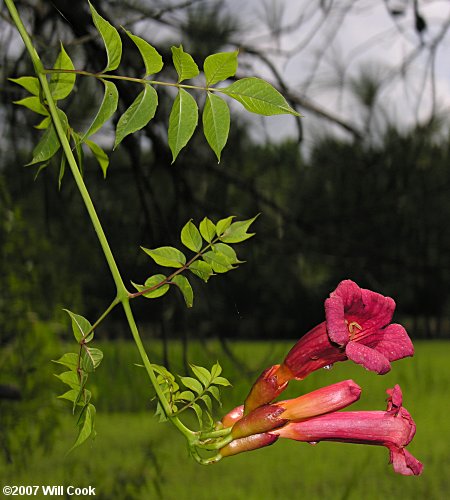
{"x":358,"y":188}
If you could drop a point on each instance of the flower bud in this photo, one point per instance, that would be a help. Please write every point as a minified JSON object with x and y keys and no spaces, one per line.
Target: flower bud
{"x":248,"y":443}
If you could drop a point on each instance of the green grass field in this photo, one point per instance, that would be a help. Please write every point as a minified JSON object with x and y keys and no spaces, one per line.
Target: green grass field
{"x":134,"y":457}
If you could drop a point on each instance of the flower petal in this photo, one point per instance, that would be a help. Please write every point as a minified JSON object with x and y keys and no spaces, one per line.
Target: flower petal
{"x":405,"y":463}
{"x":395,"y":343}
{"x":378,"y":309}
{"x":367,"y":357}
{"x":395,"y":399}
{"x":336,"y":326}
{"x":351,"y":295}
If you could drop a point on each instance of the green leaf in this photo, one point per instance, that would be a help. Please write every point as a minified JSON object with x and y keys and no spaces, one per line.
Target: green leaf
{"x":91,"y":359}
{"x":198,"y":412}
{"x":80,"y":326}
{"x":79,"y":150}
{"x":184,"y":64}
{"x":86,"y":425}
{"x":47,"y":147}
{"x":69,"y":359}
{"x":216,"y":370}
{"x":193,"y":384}
{"x":223,"y":225}
{"x":106,"y":110}
{"x":215,"y":393}
{"x":216,"y":123}
{"x":258,"y":96}
{"x":228,"y":252}
{"x":45,"y":123}
{"x":219,"y":262}
{"x":207,"y":400}
{"x":202,"y":374}
{"x":111,"y":39}
{"x":152,"y":59}
{"x":237,"y":231}
{"x":219,"y":67}
{"x":182,"y":122}
{"x":167,"y":256}
{"x":152,"y":282}
{"x":62,"y":169}
{"x":40,"y":168}
{"x":207,"y":229}
{"x":69,"y":395}
{"x":222,"y":381}
{"x":30,"y":83}
{"x":33,"y":103}
{"x":70,"y":378}
{"x":186,"y":396}
{"x":99,"y":154}
{"x":75,"y":396}
{"x":190,"y":237}
{"x":61,"y":84}
{"x":185,"y":288}
{"x":201,"y":269}
{"x":140,"y":112}
{"x":163,"y":371}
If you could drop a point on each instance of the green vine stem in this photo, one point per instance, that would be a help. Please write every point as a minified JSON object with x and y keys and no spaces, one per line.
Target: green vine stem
{"x":106,"y":76}
{"x":122,"y":293}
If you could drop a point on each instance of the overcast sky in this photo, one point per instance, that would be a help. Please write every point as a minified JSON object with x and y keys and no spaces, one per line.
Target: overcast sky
{"x":364,"y":35}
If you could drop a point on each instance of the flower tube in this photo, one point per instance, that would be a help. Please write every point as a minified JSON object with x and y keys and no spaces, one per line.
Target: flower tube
{"x":264,"y":418}
{"x":393,"y":429}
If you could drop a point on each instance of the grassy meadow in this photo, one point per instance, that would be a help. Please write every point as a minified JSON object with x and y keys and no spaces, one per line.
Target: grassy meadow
{"x":134,"y":457}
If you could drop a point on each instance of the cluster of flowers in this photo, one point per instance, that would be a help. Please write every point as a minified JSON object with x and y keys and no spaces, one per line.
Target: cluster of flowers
{"x":357,"y":327}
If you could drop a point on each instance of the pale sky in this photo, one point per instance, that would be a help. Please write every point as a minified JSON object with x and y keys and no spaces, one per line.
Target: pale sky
{"x":364,"y":35}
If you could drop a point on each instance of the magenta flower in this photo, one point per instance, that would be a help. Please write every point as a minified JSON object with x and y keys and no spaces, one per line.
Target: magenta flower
{"x":393,"y":428}
{"x":357,"y":327}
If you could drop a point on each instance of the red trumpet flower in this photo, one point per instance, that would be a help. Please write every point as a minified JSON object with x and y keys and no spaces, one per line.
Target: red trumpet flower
{"x":393,"y":428}
{"x":357,"y":327}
